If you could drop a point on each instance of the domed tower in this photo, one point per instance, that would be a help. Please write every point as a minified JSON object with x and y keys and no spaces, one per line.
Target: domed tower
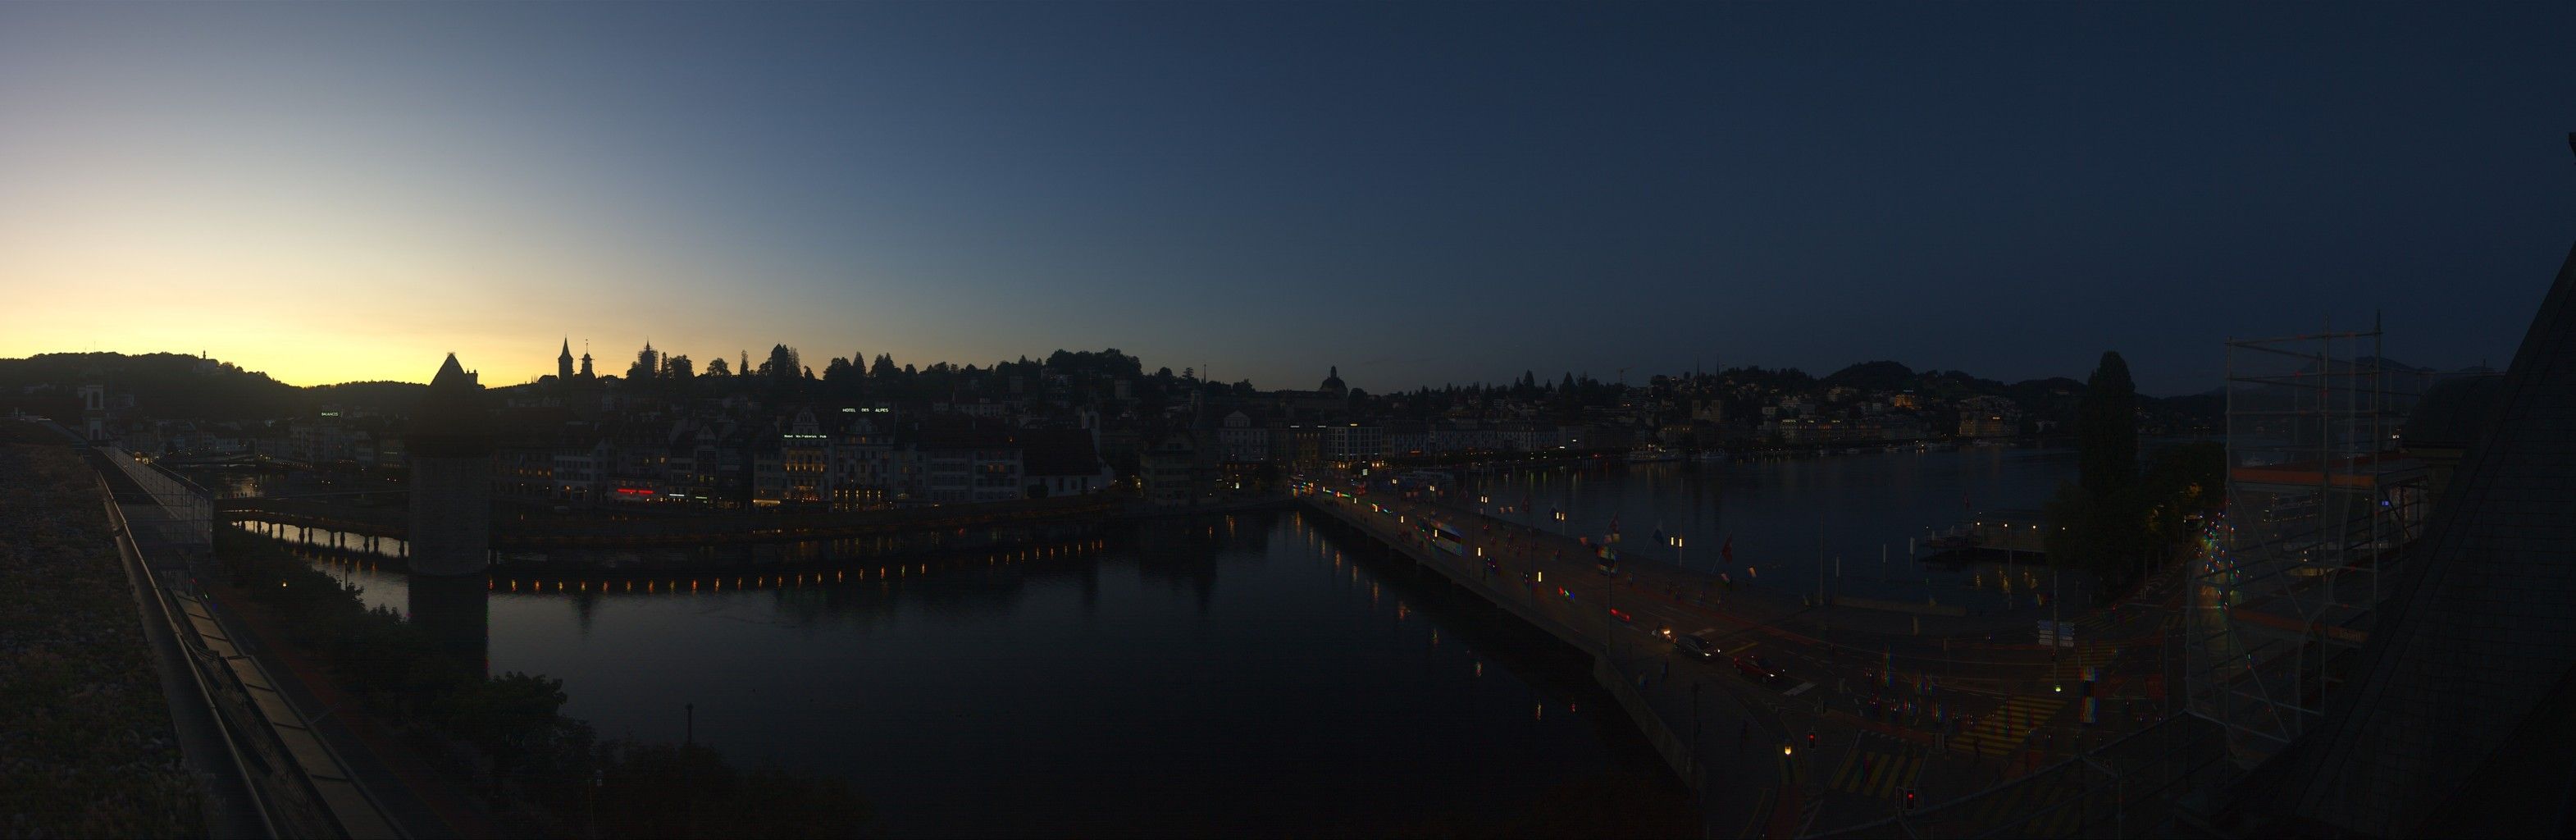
{"x":450,"y":446}
{"x":1333,"y":383}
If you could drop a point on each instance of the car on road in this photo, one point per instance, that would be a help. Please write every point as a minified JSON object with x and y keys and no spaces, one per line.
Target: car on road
{"x":1702,"y":644}
{"x":1757,"y":669}
{"x":1621,"y":615}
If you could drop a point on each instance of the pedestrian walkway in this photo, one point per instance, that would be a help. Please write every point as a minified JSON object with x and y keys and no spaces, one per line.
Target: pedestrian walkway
{"x":2002,"y":731}
{"x":1880,"y":768}
{"x":2043,"y":808}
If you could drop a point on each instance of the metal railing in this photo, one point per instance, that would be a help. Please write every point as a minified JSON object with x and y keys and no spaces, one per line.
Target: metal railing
{"x":305,"y":777}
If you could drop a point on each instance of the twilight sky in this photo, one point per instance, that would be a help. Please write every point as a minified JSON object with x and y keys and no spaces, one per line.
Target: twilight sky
{"x":1419,"y":193}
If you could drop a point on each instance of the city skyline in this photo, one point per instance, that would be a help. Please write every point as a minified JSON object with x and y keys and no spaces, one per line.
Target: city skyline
{"x":1415,"y":194}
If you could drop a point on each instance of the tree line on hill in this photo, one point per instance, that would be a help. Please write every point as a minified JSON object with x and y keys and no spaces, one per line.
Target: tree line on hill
{"x":173,"y":386}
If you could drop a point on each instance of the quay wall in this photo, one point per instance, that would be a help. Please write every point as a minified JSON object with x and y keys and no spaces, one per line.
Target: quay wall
{"x":1606,"y":669}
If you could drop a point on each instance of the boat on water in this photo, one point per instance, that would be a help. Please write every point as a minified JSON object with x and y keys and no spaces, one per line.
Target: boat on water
{"x":1650,"y":454}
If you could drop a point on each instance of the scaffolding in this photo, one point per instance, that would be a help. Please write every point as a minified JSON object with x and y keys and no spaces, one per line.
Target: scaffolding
{"x":2320,"y":501}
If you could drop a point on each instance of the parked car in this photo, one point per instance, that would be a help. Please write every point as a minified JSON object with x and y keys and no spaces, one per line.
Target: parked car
{"x":1757,"y":669}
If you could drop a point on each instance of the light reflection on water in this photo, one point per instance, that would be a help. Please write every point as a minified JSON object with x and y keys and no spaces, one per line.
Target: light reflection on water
{"x":1238,"y":676}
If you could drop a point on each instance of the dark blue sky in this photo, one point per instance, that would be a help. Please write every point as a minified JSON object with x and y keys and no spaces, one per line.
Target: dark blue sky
{"x":1418,"y":193}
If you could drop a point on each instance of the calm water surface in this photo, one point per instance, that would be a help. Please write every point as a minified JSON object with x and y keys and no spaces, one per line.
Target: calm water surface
{"x":1240,"y":675}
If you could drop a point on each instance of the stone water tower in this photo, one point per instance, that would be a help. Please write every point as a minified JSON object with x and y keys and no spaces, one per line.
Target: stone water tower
{"x":450,"y":449}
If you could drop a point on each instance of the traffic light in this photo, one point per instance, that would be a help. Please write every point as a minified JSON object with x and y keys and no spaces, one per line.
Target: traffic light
{"x":1811,"y":739}
{"x":1909,"y":799}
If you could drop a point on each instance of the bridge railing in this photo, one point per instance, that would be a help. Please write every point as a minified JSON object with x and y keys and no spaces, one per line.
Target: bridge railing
{"x":298,"y":784}
{"x":186,"y":511}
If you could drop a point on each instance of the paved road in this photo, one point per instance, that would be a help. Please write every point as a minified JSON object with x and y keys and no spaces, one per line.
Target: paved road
{"x":1870,"y":703}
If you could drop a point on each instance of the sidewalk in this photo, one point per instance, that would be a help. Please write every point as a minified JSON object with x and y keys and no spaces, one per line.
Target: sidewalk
{"x":1671,"y":705}
{"x":2014,"y":672}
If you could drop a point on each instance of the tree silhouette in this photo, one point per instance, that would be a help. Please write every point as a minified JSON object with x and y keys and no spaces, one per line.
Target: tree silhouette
{"x":2107,"y":430}
{"x":782,"y":365}
{"x":2103,"y":517}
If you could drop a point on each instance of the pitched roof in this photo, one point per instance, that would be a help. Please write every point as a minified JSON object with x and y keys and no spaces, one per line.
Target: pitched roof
{"x":450,"y":419}
{"x":450,"y":375}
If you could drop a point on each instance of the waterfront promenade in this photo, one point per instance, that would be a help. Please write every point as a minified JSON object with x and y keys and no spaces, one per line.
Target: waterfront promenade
{"x":1870,"y":704}
{"x":1725,"y":752}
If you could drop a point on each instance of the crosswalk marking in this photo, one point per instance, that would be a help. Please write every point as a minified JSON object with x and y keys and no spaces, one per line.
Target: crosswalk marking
{"x":2002,"y":731}
{"x":1884,"y":775}
{"x":1795,"y":691}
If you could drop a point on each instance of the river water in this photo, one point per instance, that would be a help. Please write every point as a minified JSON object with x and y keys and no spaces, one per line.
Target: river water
{"x":1230,"y":676}
{"x":1224,"y":675}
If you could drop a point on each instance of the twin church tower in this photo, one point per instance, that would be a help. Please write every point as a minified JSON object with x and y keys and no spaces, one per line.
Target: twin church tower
{"x":563,"y":363}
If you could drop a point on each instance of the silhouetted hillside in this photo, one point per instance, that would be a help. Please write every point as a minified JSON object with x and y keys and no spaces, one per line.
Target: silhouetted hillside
{"x":377,"y":397}
{"x":1873,"y":376}
{"x":170,"y":385}
{"x":158,"y":385}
